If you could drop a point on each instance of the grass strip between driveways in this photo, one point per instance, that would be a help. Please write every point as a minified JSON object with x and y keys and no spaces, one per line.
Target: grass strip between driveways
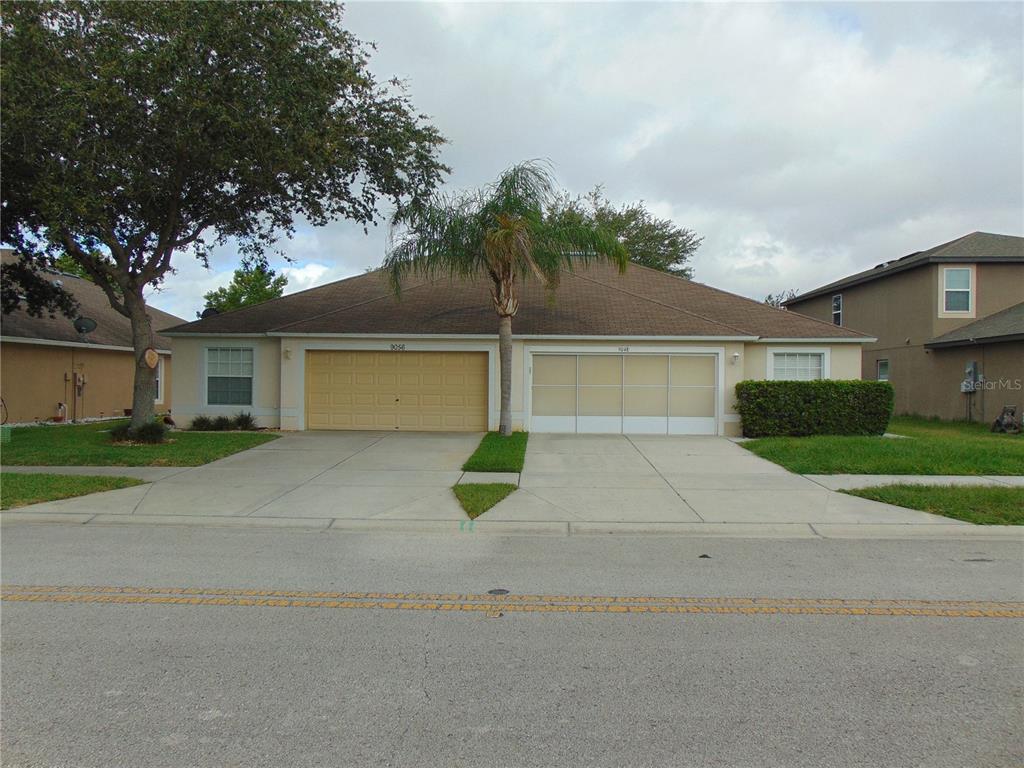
{"x":17,"y":490}
{"x":77,"y":445}
{"x":498,"y":454}
{"x":929,"y":448}
{"x":973,"y":504}
{"x":477,"y":498}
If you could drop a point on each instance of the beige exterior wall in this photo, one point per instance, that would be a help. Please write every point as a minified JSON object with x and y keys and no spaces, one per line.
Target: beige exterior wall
{"x":279,"y":389}
{"x":903,"y":312}
{"x":34,"y":378}
{"x":190,"y":380}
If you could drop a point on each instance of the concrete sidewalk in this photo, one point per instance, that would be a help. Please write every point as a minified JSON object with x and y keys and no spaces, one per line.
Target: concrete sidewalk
{"x":836,"y":482}
{"x":571,"y":484}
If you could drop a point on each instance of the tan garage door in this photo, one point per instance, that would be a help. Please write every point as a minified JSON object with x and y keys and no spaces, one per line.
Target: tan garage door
{"x":415,"y":391}
{"x":632,"y":394}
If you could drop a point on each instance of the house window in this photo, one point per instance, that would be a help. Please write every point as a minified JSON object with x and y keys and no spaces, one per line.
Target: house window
{"x":956,"y":289}
{"x":229,"y":376}
{"x":159,"y":381}
{"x":837,"y":309}
{"x":882,"y":370}
{"x":797,"y":366}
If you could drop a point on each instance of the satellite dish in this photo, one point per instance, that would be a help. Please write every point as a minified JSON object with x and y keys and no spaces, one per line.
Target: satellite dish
{"x":209,"y":312}
{"x":85,"y":325}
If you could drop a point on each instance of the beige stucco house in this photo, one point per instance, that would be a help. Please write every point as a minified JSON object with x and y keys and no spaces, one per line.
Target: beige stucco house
{"x":49,"y":370}
{"x":948,"y":323}
{"x":641,"y":352}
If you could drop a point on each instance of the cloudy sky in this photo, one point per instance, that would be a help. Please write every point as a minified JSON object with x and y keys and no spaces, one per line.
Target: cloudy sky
{"x":803,"y":141}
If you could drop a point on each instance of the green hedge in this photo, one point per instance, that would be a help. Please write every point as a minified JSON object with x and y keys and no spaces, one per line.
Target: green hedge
{"x":826,"y":407}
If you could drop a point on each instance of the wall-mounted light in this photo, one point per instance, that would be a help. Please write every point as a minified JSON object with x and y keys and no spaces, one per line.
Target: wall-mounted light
{"x":735,"y":357}
{"x":287,"y":354}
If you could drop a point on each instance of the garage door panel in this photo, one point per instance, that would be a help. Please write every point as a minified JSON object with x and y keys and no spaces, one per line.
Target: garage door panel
{"x":644,"y":401}
{"x":691,"y":401}
{"x":396,"y":390}
{"x":693,"y":370}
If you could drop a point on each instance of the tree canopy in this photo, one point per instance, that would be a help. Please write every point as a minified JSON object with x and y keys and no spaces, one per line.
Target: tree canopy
{"x":254,"y":282}
{"x":651,"y":241}
{"x":134,"y":131}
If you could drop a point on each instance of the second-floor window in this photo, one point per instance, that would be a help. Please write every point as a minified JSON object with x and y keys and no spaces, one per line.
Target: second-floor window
{"x":837,"y":309}
{"x":956,"y":289}
{"x":882,"y":368}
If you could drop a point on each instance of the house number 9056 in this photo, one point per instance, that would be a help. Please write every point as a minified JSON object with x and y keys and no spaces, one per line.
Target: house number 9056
{"x":398,"y":347}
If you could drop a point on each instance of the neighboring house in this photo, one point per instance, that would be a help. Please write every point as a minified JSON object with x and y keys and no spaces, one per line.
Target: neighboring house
{"x":46,"y":363}
{"x":942,"y":317}
{"x":642,"y":352}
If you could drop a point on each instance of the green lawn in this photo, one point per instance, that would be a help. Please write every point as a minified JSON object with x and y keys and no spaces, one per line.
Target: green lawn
{"x":17,"y":490}
{"x":931,"y":448}
{"x":498,"y":454}
{"x":477,"y":498}
{"x":89,"y":445}
{"x":984,"y":506}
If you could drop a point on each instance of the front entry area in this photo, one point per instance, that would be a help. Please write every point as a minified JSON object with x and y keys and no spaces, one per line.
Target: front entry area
{"x":415,"y":391}
{"x":631,"y":393}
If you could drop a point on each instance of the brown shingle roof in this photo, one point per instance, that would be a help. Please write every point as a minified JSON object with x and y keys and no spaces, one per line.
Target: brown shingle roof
{"x":112,"y":328}
{"x":975,"y":247}
{"x":591,"y":301}
{"x":1007,"y":325}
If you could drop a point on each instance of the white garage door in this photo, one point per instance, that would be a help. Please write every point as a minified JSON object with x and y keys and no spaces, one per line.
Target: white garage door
{"x":633,"y":394}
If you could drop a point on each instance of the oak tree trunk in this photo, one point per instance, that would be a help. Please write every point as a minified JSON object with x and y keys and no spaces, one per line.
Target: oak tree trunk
{"x":505,"y":357}
{"x":144,"y":387}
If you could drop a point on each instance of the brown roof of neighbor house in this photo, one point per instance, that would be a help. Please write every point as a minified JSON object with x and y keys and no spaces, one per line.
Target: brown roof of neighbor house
{"x":975,"y":247}
{"x":112,"y":328}
{"x":1007,"y":325}
{"x":591,"y":301}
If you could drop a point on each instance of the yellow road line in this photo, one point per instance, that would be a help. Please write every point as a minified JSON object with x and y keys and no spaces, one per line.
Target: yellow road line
{"x":421,"y":601}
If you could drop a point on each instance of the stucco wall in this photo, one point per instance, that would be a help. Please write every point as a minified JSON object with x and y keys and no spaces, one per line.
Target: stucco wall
{"x":34,"y":378}
{"x":190,"y":379}
{"x":279,"y":390}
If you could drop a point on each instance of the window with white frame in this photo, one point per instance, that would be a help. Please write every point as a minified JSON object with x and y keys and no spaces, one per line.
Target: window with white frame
{"x":159,"y":381}
{"x":837,"y":309}
{"x":798,"y":366}
{"x":229,"y":373}
{"x":956,"y":289}
{"x":882,"y":370}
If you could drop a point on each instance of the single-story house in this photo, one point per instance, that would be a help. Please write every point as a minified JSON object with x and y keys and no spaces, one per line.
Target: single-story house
{"x":51,"y":371}
{"x":639,"y":352}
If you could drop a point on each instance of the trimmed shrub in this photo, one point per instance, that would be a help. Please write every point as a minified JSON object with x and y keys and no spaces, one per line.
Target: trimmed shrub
{"x":824,"y":407}
{"x":201,"y":424}
{"x":221,"y":424}
{"x":153,"y":432}
{"x":245,"y":420}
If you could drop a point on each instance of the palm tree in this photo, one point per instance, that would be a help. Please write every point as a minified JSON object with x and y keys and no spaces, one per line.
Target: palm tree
{"x":500,"y":232}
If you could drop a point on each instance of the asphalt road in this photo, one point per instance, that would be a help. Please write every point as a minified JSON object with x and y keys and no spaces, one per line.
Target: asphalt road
{"x":284,"y":648}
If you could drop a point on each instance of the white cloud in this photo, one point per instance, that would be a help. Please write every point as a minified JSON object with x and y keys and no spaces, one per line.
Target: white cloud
{"x":803,"y":141}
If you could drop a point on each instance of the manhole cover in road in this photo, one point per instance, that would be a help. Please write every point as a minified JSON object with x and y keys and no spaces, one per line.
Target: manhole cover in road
{"x":497,"y":591}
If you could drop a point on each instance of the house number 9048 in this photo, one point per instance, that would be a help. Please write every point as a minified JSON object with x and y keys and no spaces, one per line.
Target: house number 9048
{"x":398,"y":347}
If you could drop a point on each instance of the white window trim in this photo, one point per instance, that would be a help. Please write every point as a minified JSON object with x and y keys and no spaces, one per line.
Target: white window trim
{"x":159,"y":399}
{"x":217,"y":407}
{"x":878,"y":364}
{"x":825,"y":352}
{"x":972,"y":291}
{"x":840,"y":313}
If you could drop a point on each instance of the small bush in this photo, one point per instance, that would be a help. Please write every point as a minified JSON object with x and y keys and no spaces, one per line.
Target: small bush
{"x":221,"y":424}
{"x":245,"y":420}
{"x":153,"y":432}
{"x":201,"y":424}
{"x":825,"y":407}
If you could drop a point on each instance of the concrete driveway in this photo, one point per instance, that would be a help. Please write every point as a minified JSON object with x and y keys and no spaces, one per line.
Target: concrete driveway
{"x":675,"y":479}
{"x":570,"y":483}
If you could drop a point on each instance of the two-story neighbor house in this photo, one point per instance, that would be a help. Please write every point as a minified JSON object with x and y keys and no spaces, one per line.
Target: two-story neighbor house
{"x":949,"y":323}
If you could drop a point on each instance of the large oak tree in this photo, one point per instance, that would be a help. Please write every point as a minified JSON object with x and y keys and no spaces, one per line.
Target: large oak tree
{"x":136,"y":131}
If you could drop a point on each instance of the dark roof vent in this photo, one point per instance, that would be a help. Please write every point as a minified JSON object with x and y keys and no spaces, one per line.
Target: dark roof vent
{"x":209,"y":312}
{"x":85,"y":325}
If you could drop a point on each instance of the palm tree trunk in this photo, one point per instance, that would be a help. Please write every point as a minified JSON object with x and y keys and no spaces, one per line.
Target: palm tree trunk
{"x":505,"y":357}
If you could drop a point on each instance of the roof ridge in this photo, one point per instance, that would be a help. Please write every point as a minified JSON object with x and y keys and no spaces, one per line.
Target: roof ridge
{"x":346,"y":307}
{"x":655,"y":301}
